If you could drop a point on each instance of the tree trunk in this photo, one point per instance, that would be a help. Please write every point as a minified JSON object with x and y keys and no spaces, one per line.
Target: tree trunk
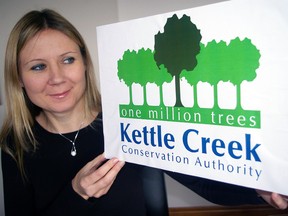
{"x":178,"y":93}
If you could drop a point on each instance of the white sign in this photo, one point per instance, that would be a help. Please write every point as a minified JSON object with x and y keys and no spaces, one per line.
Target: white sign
{"x":201,"y":91}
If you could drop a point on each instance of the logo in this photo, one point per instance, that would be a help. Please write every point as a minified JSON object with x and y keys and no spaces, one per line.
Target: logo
{"x":178,"y":56}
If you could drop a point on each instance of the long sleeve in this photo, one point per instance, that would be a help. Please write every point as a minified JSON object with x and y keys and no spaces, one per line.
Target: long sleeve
{"x":218,"y":192}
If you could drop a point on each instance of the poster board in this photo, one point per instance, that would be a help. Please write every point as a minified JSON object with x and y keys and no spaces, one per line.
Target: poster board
{"x":200,"y":91}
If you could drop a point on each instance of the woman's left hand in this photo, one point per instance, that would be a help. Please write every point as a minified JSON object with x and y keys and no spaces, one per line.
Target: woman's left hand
{"x":274,"y":199}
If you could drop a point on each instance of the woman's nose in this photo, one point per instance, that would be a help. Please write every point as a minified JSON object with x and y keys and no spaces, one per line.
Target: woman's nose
{"x":56,"y":74}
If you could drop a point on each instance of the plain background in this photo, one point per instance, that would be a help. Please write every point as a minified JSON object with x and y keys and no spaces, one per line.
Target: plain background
{"x":86,"y":15}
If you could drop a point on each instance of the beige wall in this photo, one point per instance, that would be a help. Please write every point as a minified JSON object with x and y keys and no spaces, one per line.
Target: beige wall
{"x":86,"y":15}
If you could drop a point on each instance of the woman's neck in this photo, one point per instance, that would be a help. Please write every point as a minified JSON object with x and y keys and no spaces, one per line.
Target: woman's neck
{"x":65,"y":123}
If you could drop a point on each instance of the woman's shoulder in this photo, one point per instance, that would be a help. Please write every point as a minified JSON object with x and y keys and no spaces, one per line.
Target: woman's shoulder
{"x":97,"y":122}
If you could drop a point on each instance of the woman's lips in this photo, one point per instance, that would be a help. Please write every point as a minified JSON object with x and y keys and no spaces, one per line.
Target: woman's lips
{"x":60,"y":95}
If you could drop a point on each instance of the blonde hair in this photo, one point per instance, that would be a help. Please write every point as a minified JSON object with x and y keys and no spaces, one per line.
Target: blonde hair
{"x":16,"y":135}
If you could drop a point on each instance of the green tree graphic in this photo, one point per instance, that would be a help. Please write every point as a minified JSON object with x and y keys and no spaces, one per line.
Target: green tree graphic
{"x":140,"y":67}
{"x":161,"y":77}
{"x":216,"y":66}
{"x":194,"y":77}
{"x":212,"y":65}
{"x":145,"y":67}
{"x":218,"y":61}
{"x":176,"y":48}
{"x":242,"y":61}
{"x":148,"y":72}
{"x":210,"y":68}
{"x":126,"y":70}
{"x":207,"y":66}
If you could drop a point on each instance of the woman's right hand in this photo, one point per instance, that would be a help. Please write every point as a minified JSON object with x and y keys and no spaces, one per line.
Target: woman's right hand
{"x":96,"y":177}
{"x":274,"y":199}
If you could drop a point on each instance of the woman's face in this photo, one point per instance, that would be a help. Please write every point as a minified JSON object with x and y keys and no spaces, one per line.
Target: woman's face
{"x":52,"y":72}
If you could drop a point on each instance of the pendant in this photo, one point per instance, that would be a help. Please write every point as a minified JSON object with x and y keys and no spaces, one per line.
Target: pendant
{"x":73,"y":152}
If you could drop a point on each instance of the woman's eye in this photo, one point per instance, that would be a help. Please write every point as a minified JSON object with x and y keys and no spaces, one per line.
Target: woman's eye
{"x":38,"y":67}
{"x":69,"y":60}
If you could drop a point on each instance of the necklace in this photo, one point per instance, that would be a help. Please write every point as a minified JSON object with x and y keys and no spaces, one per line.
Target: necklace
{"x":73,"y":149}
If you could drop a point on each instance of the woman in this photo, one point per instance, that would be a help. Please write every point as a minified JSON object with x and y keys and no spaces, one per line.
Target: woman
{"x":52,"y":138}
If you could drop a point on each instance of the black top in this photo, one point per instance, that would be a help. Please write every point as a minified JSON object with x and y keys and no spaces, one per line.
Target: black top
{"x":50,"y":170}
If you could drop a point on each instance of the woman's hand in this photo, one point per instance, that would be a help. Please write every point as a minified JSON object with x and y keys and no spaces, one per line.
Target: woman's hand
{"x":274,"y":199}
{"x":96,"y":177}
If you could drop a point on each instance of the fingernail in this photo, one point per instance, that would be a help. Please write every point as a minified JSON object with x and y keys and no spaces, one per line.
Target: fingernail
{"x":122,"y":163}
{"x":115,"y":160}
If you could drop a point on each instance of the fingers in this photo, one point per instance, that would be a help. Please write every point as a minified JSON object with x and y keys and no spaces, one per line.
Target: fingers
{"x":96,"y":177}
{"x":274,"y":199}
{"x":279,"y":201}
{"x":105,"y":178}
{"x":96,"y":162}
{"x":109,"y":168}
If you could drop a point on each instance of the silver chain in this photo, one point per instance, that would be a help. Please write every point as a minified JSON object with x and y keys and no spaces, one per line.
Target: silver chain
{"x":73,"y":149}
